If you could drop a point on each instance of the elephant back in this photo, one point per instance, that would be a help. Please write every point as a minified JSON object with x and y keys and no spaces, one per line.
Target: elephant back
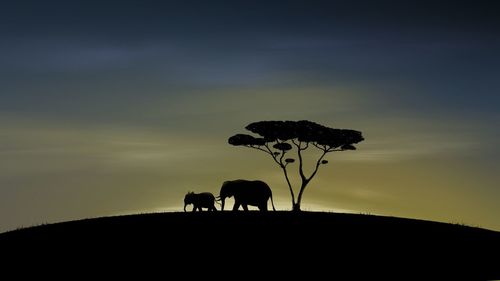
{"x":206,"y":196}
{"x":254,"y":188}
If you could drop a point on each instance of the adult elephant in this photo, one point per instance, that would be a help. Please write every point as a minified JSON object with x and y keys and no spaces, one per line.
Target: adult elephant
{"x":245,"y":192}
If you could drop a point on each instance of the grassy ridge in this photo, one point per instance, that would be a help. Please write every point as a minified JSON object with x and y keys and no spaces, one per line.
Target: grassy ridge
{"x":317,"y":243}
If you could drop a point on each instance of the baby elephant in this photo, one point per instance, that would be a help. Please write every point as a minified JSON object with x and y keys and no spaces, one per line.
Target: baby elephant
{"x":200,"y":200}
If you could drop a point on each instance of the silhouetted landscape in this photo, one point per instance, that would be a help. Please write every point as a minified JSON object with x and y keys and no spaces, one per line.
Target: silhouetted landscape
{"x":221,"y":108}
{"x":312,"y":242}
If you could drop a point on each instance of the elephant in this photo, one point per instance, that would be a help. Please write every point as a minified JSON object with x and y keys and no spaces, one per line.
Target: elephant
{"x":245,"y":192}
{"x":200,"y":200}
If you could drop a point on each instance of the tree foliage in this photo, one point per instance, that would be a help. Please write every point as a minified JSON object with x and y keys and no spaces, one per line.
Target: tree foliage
{"x":277,"y":138}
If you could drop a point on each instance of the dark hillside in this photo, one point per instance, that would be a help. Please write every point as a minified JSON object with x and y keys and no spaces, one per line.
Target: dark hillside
{"x":307,"y":242}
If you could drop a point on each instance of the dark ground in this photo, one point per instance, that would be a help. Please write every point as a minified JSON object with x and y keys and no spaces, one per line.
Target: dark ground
{"x":240,"y":245}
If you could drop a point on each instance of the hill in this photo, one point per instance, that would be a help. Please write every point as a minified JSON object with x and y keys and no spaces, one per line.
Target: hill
{"x":312,"y":243}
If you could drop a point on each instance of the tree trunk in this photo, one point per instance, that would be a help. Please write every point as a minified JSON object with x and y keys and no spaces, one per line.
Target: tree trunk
{"x":289,"y":186}
{"x":296,"y":207}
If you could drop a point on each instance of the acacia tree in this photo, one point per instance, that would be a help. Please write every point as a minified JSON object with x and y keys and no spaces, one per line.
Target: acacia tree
{"x":277,"y":137}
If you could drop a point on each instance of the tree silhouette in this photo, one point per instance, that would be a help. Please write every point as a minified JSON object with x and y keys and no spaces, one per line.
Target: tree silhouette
{"x":277,"y":137}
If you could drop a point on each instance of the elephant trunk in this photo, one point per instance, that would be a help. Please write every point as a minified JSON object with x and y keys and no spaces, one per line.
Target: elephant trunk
{"x":223,"y":200}
{"x":185,"y":204}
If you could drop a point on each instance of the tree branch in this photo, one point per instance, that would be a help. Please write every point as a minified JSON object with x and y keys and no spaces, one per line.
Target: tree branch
{"x":301,"y":161}
{"x":289,"y":184}
{"x":272,"y":155}
{"x":298,"y":144}
{"x":285,"y":172}
{"x":320,"y":147}
{"x":282,"y":155}
{"x":317,"y":165}
{"x":257,"y":147}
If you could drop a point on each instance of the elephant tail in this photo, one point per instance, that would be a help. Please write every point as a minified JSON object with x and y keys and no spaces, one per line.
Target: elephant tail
{"x":272,"y":203}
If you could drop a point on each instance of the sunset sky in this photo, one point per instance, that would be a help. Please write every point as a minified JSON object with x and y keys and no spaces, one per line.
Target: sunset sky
{"x":119,"y":107}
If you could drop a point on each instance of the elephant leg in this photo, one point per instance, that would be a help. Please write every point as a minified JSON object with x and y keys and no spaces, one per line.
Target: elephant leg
{"x":245,"y":207}
{"x":263,"y":207}
{"x":194,"y":208}
{"x":236,"y":206}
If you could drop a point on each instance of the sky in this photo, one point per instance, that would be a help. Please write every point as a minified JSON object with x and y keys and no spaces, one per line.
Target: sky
{"x":121,"y":107}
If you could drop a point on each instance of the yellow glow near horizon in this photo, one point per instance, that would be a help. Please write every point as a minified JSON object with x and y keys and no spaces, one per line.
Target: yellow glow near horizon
{"x":54,"y":172}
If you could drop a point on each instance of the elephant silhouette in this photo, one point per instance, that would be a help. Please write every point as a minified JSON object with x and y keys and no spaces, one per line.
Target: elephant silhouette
{"x":200,"y":200}
{"x":245,"y":192}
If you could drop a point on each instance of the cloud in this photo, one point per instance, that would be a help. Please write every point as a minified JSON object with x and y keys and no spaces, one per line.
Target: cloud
{"x":403,"y":148}
{"x":58,"y":55}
